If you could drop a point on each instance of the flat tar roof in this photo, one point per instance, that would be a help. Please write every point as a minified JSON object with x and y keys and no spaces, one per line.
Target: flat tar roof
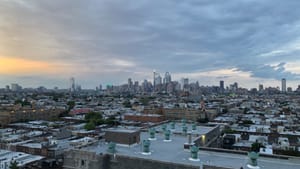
{"x":174,"y":152}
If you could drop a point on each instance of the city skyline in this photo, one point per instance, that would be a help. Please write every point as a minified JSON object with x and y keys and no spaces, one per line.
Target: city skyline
{"x":72,"y":84}
{"x":104,"y":42}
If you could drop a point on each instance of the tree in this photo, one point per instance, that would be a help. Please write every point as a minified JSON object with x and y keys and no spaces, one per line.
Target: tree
{"x":71,"y":104}
{"x":93,"y":116}
{"x":90,"y":126}
{"x":13,"y":165}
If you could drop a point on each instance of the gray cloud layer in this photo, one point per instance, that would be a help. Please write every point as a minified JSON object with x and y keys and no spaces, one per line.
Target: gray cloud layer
{"x":173,"y":35}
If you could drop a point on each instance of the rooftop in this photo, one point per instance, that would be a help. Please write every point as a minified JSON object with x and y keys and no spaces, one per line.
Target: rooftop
{"x":200,"y":130}
{"x":174,"y":152}
{"x":21,"y":158}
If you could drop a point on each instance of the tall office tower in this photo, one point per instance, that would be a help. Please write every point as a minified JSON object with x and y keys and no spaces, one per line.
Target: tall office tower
{"x":130,"y":83}
{"x":72,"y":84}
{"x":136,"y":86}
{"x":236,"y":85}
{"x":260,"y":87}
{"x":156,"y":79}
{"x":283,"y":85}
{"x":222,"y":88}
{"x":185,"y":83}
{"x":167,"y":78}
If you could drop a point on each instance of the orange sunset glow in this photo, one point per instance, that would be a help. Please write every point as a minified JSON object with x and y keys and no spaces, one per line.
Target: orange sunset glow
{"x":11,"y":66}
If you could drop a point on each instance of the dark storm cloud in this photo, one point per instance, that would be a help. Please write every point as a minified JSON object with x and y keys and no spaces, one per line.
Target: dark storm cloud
{"x":267,"y":71}
{"x":173,"y":35}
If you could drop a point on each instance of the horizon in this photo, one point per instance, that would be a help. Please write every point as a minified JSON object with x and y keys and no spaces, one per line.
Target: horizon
{"x":104,"y":86}
{"x":106,"y":42}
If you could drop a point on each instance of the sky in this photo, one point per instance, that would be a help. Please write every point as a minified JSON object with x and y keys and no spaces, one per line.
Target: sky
{"x":252,"y":42}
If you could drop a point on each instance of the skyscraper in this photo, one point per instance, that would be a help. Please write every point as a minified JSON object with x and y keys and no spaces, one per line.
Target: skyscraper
{"x":156,"y":79}
{"x":167,"y":78}
{"x":72,"y":84}
{"x":130,"y":83}
{"x":236,"y":85}
{"x":222,"y":85}
{"x":260,"y":87}
{"x":185,"y":83}
{"x":283,"y":85}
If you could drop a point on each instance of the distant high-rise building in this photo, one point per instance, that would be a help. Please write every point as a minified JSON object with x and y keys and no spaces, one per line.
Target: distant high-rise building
{"x":167,"y":78}
{"x":130,"y":83}
{"x":298,"y":89}
{"x":197,"y":84}
{"x":99,"y":88}
{"x":146,"y":86}
{"x":236,"y":85}
{"x":156,"y":79}
{"x":136,"y":85}
{"x":185,"y":83}
{"x":260,"y":87}
{"x":283,"y":85}
{"x":72,"y":84}
{"x":222,"y":87}
{"x":289,"y":89}
{"x":15,"y":87}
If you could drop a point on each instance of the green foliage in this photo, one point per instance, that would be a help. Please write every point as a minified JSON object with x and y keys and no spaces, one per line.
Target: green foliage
{"x":90,"y":126}
{"x":93,"y":116}
{"x":13,"y":165}
{"x":71,"y":104}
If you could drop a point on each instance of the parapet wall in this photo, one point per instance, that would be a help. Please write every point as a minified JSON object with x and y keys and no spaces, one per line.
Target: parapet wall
{"x":76,"y":159}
